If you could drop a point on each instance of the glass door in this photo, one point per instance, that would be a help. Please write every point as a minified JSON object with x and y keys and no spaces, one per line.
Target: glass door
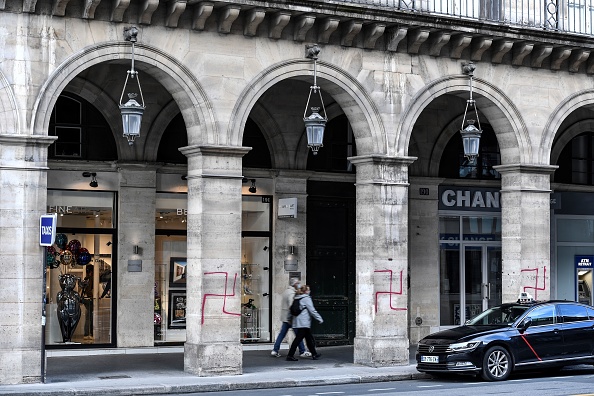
{"x":481,"y":278}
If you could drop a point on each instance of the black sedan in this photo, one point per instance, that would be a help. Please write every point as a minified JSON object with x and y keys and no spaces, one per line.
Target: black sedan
{"x":512,"y":337}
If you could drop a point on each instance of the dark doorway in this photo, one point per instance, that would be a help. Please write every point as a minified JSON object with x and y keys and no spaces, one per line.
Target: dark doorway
{"x":331,"y":259}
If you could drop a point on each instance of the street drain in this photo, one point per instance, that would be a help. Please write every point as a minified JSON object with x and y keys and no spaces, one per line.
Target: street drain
{"x":115,"y":377}
{"x":300,"y":368}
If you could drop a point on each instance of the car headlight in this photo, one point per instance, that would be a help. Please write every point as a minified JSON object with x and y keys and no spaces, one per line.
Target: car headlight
{"x":464,"y":346}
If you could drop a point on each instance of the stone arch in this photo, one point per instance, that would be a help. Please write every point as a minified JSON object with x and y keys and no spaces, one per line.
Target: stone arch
{"x":9,"y":122}
{"x":191,"y":99}
{"x":345,"y":89}
{"x":502,"y":114}
{"x":568,"y":134}
{"x":440,"y":144}
{"x":165,"y":116}
{"x":561,"y":112}
{"x":272,"y":132}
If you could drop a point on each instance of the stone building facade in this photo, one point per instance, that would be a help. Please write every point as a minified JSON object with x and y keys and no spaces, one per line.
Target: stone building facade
{"x":430,"y":239}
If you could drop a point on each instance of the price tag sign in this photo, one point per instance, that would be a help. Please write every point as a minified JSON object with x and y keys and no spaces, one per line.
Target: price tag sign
{"x":47,"y":229}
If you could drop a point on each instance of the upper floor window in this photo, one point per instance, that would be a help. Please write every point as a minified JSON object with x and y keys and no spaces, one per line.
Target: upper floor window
{"x":454,"y":165}
{"x":82,"y":131}
{"x":576,"y":161}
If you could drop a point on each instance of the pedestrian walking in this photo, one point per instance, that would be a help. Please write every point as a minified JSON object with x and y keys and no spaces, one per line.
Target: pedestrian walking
{"x":286,"y":301}
{"x":302,"y":324}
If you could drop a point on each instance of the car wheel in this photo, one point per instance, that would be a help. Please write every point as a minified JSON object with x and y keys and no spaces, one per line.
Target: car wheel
{"x":497,"y":364}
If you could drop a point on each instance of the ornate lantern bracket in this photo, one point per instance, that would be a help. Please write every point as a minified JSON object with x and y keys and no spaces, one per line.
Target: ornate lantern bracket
{"x":471,"y":134}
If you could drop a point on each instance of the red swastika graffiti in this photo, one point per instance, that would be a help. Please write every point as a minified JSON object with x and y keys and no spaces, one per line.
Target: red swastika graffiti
{"x":390,"y":293}
{"x":225,"y":295}
{"x":535,"y":287}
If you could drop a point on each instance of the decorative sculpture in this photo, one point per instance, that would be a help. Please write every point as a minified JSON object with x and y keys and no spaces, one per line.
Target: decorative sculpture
{"x":68,"y":306}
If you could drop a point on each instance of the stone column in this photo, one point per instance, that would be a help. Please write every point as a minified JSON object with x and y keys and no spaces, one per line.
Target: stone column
{"x":382,"y":260}
{"x":23,"y":199}
{"x":136,"y":227}
{"x":214,"y":260}
{"x":525,"y":230}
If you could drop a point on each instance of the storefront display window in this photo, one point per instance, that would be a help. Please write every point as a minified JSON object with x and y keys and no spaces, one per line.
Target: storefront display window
{"x":80,"y":264}
{"x":170,"y":268}
{"x":255,"y":268}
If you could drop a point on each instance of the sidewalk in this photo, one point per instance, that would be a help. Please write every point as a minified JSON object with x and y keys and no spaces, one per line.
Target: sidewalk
{"x":159,"y":371}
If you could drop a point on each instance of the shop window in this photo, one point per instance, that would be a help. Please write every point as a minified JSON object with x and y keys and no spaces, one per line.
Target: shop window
{"x":82,"y":131}
{"x":169,"y":318}
{"x":576,"y":161}
{"x":339,"y":144}
{"x":454,"y":165}
{"x":84,"y":253}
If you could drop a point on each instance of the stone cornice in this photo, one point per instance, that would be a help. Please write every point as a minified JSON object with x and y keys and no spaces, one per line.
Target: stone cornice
{"x":359,"y":25}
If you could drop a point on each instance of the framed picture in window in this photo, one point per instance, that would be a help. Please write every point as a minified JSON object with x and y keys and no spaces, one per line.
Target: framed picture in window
{"x":177,"y":309}
{"x":177,"y":271}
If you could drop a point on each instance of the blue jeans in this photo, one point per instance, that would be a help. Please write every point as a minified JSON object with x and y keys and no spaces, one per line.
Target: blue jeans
{"x":281,"y":336}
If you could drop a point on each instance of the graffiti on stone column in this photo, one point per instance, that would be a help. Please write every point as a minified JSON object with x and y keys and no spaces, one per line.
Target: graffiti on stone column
{"x":224,"y":295}
{"x":535,"y":276}
{"x":391,"y":292}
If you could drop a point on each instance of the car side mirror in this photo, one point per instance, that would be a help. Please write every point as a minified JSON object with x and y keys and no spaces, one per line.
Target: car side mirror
{"x":527,"y":322}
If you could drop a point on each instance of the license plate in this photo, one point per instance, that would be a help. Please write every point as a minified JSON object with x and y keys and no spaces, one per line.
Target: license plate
{"x":429,"y":359}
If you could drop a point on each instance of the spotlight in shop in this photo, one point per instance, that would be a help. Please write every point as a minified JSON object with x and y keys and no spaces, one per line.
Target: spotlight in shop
{"x":314,"y":123}
{"x":131,"y":110}
{"x":93,"y":177}
{"x":252,"y":188}
{"x":471,"y":135}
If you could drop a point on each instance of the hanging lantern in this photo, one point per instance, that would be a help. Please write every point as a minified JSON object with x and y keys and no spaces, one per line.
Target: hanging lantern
{"x":131,"y":111}
{"x":314,"y":123}
{"x":471,"y":135}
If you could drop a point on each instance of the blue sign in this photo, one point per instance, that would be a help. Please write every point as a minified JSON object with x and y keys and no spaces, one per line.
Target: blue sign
{"x":585,"y":262}
{"x":47,"y":229}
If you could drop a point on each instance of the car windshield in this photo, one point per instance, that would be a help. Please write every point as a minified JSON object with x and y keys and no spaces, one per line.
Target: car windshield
{"x":502,"y":315}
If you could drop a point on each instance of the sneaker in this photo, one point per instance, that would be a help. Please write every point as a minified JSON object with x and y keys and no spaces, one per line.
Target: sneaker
{"x":306,"y":354}
{"x":275,"y":354}
{"x":317,"y":356}
{"x":291,"y":359}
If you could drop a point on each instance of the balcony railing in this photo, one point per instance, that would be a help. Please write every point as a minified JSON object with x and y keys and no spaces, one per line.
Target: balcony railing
{"x":569,"y":16}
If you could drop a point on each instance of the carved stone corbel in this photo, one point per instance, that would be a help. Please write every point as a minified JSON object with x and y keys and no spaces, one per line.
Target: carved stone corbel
{"x":394,"y":37}
{"x":539,"y":54}
{"x":416,"y":37}
{"x":559,"y":55}
{"x":228,"y":15}
{"x":118,"y":9}
{"x":145,"y":13}
{"x":201,"y":13}
{"x":578,"y":56}
{"x":302,"y":26}
{"x":521,"y":51}
{"x":459,"y":42}
{"x":500,"y":48}
{"x":328,"y":26}
{"x":253,"y":19}
{"x":174,"y":10}
{"x":278,"y":22}
{"x":349,"y":31}
{"x":373,"y":31}
{"x":479,"y":46}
